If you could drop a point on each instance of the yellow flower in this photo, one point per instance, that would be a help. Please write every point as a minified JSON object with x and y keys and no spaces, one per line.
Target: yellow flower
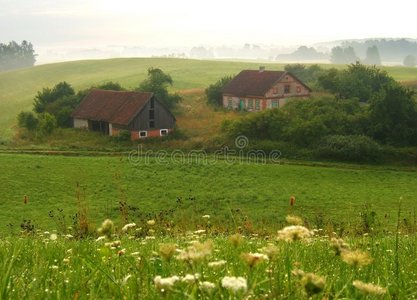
{"x":294,"y":233}
{"x":356,"y":258}
{"x":252,"y":259}
{"x":167,"y":251}
{"x":151,"y":222}
{"x":369,"y":288}
{"x":236,"y":239}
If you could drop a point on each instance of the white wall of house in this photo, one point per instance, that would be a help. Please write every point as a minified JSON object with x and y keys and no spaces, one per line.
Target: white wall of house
{"x":79,"y":123}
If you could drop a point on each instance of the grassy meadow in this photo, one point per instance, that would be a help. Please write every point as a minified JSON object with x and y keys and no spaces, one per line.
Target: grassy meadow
{"x":19,"y":87}
{"x":188,"y":227}
{"x":252,"y":196}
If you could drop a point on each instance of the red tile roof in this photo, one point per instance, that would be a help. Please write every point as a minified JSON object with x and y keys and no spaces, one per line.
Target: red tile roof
{"x":254,"y":82}
{"x":117,"y":107}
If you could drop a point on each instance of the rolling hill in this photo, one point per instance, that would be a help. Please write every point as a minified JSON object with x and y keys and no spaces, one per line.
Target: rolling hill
{"x":19,"y":87}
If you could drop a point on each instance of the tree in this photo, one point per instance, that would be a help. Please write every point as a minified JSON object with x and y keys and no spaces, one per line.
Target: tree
{"x":357,"y":81}
{"x":341,"y":55}
{"x":372,"y":56}
{"x":14,"y":56}
{"x":393,"y":116}
{"x":59,"y":101}
{"x":27,"y":120}
{"x":410,"y":61}
{"x":306,"y":74}
{"x":47,"y":124}
{"x":157,"y":83}
{"x":214,"y":91}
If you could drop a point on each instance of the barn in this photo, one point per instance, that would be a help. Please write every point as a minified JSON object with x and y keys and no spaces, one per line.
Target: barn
{"x":256,"y":90}
{"x":110,"y":112}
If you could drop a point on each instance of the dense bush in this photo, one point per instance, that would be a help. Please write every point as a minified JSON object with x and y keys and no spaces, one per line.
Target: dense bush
{"x":351,"y":148}
{"x":214,"y":91}
{"x":27,"y":120}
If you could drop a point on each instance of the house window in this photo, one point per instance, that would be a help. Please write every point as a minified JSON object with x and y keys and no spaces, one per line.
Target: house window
{"x":275,"y":91}
{"x":229,"y":103}
{"x":287,"y":89}
{"x":151,"y":124}
{"x":298,"y":89}
{"x":143,"y":134}
{"x":163,"y":132}
{"x":257,"y":104}
{"x":250,"y":103}
{"x":274,"y":103}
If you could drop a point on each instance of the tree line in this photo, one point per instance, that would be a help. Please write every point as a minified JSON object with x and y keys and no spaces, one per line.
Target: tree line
{"x":15,"y":56}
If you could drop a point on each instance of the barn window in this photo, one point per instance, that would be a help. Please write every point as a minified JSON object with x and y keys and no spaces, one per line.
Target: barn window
{"x":257,"y":104}
{"x":151,"y":114}
{"x":274,"y":103}
{"x":287,"y":89}
{"x":152,"y":103}
{"x":163,"y":132}
{"x":143,"y":134}
{"x":151,"y":124}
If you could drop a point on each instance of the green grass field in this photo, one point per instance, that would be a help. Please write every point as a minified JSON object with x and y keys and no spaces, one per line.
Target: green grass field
{"x":235,"y":194}
{"x":18,"y":88}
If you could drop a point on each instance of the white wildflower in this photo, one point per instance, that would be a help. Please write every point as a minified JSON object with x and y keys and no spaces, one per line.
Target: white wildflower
{"x":165,"y":283}
{"x":128,"y":226}
{"x":190,"y":278}
{"x":217,"y":263}
{"x":294,"y":233}
{"x":235,"y":284}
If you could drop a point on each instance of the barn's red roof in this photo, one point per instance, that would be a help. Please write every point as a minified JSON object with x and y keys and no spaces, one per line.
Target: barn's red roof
{"x":117,"y":107}
{"x":254,"y":82}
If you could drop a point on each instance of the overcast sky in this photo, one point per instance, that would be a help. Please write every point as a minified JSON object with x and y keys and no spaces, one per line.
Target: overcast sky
{"x":157,"y":23}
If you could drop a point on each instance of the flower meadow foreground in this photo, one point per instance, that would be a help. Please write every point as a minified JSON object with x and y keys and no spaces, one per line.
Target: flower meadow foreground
{"x":123,"y":263}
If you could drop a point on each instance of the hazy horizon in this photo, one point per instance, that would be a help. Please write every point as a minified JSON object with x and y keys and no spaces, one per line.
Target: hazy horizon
{"x":97,"y":24}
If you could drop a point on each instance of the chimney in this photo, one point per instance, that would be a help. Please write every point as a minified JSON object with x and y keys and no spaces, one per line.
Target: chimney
{"x":261,"y":69}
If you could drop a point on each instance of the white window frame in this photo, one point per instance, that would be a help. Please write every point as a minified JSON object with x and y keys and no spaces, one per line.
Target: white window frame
{"x":165,"y":130}
{"x":143,"y":131}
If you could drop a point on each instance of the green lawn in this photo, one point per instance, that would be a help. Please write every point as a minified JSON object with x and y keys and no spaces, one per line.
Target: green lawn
{"x":18,"y":88}
{"x":230,"y":192}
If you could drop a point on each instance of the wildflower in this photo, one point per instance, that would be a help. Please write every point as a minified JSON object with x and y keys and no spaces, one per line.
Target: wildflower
{"x":151,"y":222}
{"x":167,"y":251}
{"x":201,"y":231}
{"x":339,"y":245}
{"x":165,"y":283}
{"x":125,"y":279}
{"x":294,"y":220}
{"x":190,"y":278}
{"x":294,"y":233}
{"x":369,"y":288}
{"x":135,"y":253}
{"x":207,"y":286}
{"x":113,"y":245}
{"x":69,"y":236}
{"x":196,"y":252}
{"x":292,"y":201}
{"x":235,"y":283}
{"x":128,"y":226}
{"x":216,"y":264}
{"x":206,"y":217}
{"x":356,"y":258}
{"x":53,"y":267}
{"x":312,"y":283}
{"x":100,"y":238}
{"x":271,"y":251}
{"x":107,"y":228}
{"x":66,"y":260}
{"x":53,"y":237}
{"x":236,"y":239}
{"x":252,"y":259}
{"x":121,"y":252}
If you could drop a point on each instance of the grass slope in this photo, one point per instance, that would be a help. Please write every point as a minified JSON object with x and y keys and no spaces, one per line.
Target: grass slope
{"x":18,"y":88}
{"x":259,"y":192}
